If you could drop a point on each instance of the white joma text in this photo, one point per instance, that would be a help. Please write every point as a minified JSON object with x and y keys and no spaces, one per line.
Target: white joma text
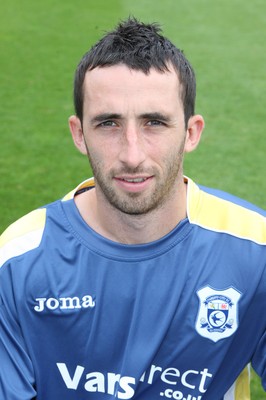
{"x":64,"y":303}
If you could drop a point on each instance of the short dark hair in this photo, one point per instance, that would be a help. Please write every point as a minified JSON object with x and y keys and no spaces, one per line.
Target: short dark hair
{"x":140,"y":47}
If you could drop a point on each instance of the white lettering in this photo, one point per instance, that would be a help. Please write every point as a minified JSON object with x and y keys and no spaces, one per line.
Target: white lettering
{"x":64,"y":303}
{"x":52,"y":303}
{"x":168,"y":393}
{"x":71,"y":383}
{"x":205,"y":375}
{"x":184,"y":376}
{"x":87,"y":301}
{"x":123,"y":387}
{"x":177,"y":395}
{"x":142,"y":377}
{"x":40,"y":307}
{"x":68,"y":302}
{"x":125,"y":382}
{"x":95,"y":382}
{"x":152,"y":372}
{"x":169,"y":376}
{"x":168,"y":372}
{"x":112,"y":380}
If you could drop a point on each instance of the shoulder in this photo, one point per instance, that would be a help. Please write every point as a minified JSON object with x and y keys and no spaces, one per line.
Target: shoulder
{"x":222,"y":212}
{"x":27,"y":232}
{"x":23,"y":235}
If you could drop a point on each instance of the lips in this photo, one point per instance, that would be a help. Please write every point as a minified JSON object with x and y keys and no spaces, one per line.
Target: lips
{"x":133,"y":184}
{"x":133,"y":180}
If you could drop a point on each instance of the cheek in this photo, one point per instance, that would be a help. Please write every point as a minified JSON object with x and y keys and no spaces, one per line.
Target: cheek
{"x":101,"y":156}
{"x":171,"y":150}
{"x":99,"y":143}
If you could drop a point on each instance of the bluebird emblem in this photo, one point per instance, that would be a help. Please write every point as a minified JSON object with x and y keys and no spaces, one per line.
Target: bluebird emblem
{"x":218,"y":312}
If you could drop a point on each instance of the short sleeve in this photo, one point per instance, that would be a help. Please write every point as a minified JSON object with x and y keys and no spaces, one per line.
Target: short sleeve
{"x":16,"y":371}
{"x":259,"y":360}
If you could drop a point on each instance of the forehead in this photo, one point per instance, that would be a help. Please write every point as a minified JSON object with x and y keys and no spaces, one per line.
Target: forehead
{"x":121,"y":84}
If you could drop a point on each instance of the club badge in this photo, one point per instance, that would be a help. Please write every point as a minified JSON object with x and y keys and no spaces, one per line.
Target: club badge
{"x":218,"y":313}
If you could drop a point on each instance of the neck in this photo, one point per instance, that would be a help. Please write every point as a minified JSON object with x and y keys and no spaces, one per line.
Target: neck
{"x":132,"y":229}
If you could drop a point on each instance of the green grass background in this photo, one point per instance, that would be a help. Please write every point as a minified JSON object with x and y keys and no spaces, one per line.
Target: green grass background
{"x":41,"y":43}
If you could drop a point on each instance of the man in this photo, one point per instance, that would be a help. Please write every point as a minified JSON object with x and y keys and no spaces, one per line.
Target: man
{"x":138,"y":284}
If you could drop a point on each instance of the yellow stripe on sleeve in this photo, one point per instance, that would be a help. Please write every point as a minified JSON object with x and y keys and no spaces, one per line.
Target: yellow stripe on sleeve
{"x":220,"y":215}
{"x":86,"y":184}
{"x":240,"y":390}
{"x":23,"y":235}
{"x":242,"y":387}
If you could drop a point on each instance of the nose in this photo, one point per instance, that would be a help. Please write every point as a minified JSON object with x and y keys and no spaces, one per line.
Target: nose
{"x":132,"y":151}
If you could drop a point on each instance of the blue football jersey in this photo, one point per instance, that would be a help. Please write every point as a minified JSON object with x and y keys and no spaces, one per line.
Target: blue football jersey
{"x":83,"y":317}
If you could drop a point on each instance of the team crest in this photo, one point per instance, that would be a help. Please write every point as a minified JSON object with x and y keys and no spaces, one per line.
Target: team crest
{"x":218,"y":313}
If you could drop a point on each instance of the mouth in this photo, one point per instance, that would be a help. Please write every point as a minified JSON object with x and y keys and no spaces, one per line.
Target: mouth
{"x":133,"y":180}
{"x":133,"y":184}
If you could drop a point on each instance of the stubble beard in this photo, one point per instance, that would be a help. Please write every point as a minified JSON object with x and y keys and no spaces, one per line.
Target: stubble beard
{"x":139,"y":203}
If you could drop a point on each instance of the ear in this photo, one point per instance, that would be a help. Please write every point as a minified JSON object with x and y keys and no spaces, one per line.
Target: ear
{"x":194,"y":131}
{"x":77,"y":133}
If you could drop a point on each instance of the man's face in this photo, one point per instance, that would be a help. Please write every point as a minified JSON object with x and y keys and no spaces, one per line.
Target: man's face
{"x":134,"y":133}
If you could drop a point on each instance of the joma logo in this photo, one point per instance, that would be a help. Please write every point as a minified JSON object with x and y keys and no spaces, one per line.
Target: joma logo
{"x":64,"y":303}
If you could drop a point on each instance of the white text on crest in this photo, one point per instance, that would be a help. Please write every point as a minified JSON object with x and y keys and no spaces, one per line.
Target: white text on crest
{"x":64,"y":303}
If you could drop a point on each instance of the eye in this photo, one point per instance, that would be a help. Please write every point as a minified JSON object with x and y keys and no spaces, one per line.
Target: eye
{"x":155,"y":122}
{"x":108,"y":123}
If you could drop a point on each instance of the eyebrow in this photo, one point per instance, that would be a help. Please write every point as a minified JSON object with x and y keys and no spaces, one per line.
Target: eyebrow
{"x":155,"y":116}
{"x":105,"y":117}
{"x":149,"y":116}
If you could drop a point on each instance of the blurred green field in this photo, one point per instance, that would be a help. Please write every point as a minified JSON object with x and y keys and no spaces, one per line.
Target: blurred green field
{"x":40,"y":46}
